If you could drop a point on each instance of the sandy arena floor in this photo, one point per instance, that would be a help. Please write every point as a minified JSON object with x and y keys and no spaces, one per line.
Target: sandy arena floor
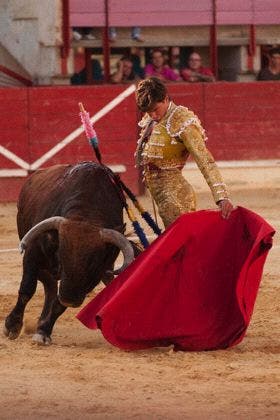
{"x":81,"y":376}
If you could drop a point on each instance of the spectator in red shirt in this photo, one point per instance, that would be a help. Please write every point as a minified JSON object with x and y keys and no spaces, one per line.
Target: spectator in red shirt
{"x":195,"y":72}
{"x":158,"y":68}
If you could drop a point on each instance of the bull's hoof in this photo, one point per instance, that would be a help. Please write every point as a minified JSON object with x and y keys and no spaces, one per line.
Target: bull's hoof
{"x":41,"y":339}
{"x":12,"y":335}
{"x":12,"y":331}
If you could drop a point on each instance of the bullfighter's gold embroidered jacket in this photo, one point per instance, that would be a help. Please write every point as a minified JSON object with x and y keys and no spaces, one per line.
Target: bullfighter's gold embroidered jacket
{"x":178,"y":135}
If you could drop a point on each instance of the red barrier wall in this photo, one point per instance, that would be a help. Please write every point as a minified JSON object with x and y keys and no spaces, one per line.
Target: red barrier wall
{"x":241,"y":120}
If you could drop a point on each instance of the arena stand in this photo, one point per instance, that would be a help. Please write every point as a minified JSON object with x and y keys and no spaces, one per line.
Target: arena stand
{"x":38,"y":126}
{"x":232,"y":32}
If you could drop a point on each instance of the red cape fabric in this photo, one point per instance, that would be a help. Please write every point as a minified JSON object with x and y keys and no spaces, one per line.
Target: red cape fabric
{"x":194,"y":287}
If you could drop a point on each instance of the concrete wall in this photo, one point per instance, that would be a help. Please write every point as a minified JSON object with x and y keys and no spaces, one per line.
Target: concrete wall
{"x":31,"y":33}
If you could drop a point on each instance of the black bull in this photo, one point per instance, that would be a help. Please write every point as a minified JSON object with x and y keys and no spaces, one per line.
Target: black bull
{"x":70,"y":220}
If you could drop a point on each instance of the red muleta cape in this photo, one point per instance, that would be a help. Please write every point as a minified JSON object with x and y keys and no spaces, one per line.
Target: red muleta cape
{"x":194,"y":287}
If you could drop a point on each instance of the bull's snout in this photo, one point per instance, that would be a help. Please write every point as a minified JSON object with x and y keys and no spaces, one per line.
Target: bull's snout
{"x":70,"y":303}
{"x":69,"y":296}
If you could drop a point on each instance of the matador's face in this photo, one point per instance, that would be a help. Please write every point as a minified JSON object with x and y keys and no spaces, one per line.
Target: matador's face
{"x":158,"y":111}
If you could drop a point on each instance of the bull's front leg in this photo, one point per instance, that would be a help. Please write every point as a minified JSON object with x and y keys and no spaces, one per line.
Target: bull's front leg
{"x":14,"y":320}
{"x":45,"y":325}
{"x":50,"y":288}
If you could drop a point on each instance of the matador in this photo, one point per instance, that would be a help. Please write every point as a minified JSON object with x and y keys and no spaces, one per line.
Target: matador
{"x":169,"y":135}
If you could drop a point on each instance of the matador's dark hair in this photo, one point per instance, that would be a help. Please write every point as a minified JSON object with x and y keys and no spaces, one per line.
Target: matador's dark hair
{"x":149,"y":92}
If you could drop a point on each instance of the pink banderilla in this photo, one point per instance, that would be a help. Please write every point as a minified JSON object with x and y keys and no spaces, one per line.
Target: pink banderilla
{"x":89,"y":130}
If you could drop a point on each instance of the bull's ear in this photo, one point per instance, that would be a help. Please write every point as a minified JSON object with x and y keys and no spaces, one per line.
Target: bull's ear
{"x":137,"y":248}
{"x":121,"y":228}
{"x":45,"y":225}
{"x":50,"y":243}
{"x":116,"y":238}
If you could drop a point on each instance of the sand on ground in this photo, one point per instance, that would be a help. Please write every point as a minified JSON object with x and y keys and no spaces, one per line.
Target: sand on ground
{"x":82,"y":376}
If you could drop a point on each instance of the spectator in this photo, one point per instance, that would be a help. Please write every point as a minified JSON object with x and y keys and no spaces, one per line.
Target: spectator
{"x":135,"y":34}
{"x":125,"y":72}
{"x":135,"y":56}
{"x":174,"y":59}
{"x":81,"y":78}
{"x":159,"y":68}
{"x":195,"y":72}
{"x":82,"y":33}
{"x":272,"y":71}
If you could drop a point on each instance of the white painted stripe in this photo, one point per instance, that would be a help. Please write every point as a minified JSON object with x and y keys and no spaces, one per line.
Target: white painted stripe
{"x":10,"y":173}
{"x":14,"y":158}
{"x":19,"y":173}
{"x":72,"y":136}
{"x":68,"y":139}
{"x":6,"y":173}
{"x":9,"y":250}
{"x":118,"y":99}
{"x":240,"y":163}
{"x":119,"y":169}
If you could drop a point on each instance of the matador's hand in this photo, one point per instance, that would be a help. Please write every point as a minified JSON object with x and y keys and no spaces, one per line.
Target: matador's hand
{"x":226,"y":207}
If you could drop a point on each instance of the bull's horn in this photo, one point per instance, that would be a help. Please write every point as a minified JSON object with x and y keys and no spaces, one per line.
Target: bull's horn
{"x":116,"y":238}
{"x":47,"y":224}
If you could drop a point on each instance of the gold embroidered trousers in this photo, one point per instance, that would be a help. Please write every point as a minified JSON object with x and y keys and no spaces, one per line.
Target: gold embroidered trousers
{"x":171,"y":192}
